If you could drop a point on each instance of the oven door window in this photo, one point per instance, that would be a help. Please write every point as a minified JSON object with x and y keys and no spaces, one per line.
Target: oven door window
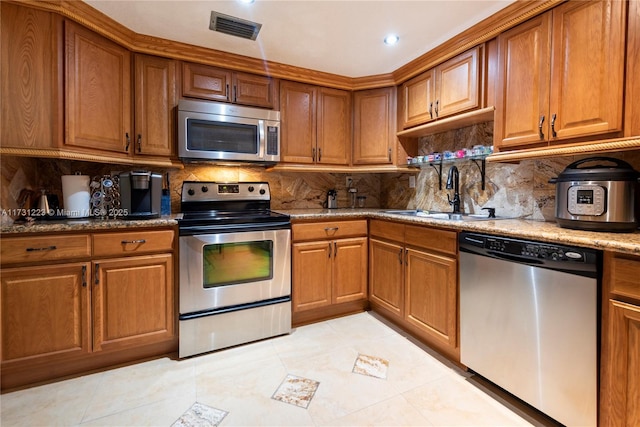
{"x":209,"y":135}
{"x":233,"y":263}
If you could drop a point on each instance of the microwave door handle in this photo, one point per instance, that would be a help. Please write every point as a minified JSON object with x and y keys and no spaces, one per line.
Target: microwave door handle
{"x":262,"y":139}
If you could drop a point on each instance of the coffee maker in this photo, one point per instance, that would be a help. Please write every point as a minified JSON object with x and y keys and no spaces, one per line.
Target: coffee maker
{"x":140,"y":194}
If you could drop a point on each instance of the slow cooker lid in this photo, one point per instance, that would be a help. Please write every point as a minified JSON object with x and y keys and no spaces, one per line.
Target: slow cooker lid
{"x":620,"y":171}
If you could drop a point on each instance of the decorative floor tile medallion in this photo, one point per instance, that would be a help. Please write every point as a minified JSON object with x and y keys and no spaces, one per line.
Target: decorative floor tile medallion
{"x":200,"y":415}
{"x":296,"y":391}
{"x":371,"y":366}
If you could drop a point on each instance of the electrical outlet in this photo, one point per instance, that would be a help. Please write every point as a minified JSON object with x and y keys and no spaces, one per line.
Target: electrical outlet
{"x":412,"y":181}
{"x":349,"y":182}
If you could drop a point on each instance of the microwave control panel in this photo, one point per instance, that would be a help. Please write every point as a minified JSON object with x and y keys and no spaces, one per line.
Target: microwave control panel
{"x":586,"y":200}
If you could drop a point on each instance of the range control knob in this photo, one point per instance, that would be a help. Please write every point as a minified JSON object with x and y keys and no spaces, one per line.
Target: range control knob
{"x":251,"y":189}
{"x":262,"y":191}
{"x":204,"y":188}
{"x":191,"y":191}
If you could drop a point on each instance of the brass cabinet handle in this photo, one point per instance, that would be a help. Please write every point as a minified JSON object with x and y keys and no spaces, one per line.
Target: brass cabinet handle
{"x":431,"y":110}
{"x":437,"y":104}
{"x":235,"y":93}
{"x":124,"y":242}
{"x":331,"y":229}
{"x":406,"y":256}
{"x":313,"y":154}
{"x":227,"y":95}
{"x":540,"y":127}
{"x":400,"y":256}
{"x":97,"y":273}
{"x":126,"y":147}
{"x":46,"y":248}
{"x":84,"y":276}
{"x":329,"y":250}
{"x":553,"y":126}
{"x":389,"y":151}
{"x":319,"y":154}
{"x":139,"y":143}
{"x":335,"y":249}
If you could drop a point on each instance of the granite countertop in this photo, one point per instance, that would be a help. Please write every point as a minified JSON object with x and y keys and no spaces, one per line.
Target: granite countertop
{"x":520,"y":228}
{"x":88,"y":224}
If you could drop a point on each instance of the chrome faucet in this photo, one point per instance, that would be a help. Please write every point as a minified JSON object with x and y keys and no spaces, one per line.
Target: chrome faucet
{"x":453,"y":182}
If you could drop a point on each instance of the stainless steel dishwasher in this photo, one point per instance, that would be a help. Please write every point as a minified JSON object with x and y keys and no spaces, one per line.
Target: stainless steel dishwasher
{"x":529,"y":322}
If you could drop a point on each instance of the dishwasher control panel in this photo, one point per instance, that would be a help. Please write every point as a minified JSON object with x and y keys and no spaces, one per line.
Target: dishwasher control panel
{"x":524,"y":248}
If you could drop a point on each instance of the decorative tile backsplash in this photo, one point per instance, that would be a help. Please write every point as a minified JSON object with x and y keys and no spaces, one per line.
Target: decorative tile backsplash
{"x":515,"y":190}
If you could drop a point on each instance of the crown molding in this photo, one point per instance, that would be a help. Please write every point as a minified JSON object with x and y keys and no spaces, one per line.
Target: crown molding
{"x":485,"y":30}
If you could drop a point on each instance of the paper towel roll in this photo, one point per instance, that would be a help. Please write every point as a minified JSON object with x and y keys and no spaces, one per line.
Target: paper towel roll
{"x":75,"y":191}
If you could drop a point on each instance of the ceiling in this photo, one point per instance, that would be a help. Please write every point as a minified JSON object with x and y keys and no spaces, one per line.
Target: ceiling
{"x":339,"y":37}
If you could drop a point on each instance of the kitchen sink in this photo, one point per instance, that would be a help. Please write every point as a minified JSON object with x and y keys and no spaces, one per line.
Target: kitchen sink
{"x":449,"y":216}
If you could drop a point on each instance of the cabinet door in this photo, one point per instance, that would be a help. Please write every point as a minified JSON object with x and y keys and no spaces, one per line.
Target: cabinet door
{"x":386,"y":265}
{"x":251,"y":89}
{"x":417,"y":99}
{"x":349,"y":270}
{"x":522,"y":91}
{"x":334,"y":127}
{"x":311,"y":281}
{"x":374,"y":130}
{"x":587,"y":73}
{"x":45,"y":312}
{"x":458,"y":84}
{"x":622,"y":399}
{"x":29,"y":77}
{"x":155,"y":101}
{"x":133,"y":301}
{"x":431,"y":296}
{"x":298,"y":122}
{"x":205,"y":82}
{"x":98,"y":91}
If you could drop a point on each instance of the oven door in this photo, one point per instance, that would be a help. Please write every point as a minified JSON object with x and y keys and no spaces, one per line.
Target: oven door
{"x":228,"y":269}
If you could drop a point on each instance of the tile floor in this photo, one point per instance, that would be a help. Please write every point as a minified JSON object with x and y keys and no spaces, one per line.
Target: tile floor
{"x":350,"y":371}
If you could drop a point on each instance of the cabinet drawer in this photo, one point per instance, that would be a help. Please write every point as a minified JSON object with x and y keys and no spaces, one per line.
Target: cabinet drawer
{"x":132,"y":243}
{"x":387,"y":230}
{"x":329,"y":230}
{"x":623,"y":272}
{"x":432,"y":238}
{"x":44,"y":248}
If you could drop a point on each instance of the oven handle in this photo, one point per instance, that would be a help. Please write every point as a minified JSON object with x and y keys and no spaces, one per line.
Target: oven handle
{"x":232,"y":228}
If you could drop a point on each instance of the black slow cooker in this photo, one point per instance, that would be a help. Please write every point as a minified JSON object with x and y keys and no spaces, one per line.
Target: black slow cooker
{"x":597,"y":194}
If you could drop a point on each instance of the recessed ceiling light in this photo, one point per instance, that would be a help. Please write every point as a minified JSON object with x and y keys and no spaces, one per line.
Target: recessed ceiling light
{"x":391,"y":39}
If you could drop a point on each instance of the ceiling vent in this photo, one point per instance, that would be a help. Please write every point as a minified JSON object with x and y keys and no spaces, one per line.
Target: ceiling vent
{"x":234,"y":26}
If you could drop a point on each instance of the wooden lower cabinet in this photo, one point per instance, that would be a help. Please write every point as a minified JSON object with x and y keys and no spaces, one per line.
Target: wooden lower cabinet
{"x":132,"y":301}
{"x":329,"y":269}
{"x":413,"y":281}
{"x":620,"y":360}
{"x":45,"y":312}
{"x":67,"y":314}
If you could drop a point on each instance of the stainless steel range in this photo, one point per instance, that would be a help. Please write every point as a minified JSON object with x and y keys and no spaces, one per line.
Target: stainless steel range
{"x":235,"y":266}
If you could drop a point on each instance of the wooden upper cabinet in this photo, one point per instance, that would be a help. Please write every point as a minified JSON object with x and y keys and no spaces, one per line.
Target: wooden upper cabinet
{"x":251,"y":89}
{"x":458,"y":84}
{"x":374,"y":130}
{"x":450,"y":88}
{"x":632,"y":96}
{"x":98,"y":91}
{"x":587,"y":68}
{"x":418,"y":95}
{"x":333,"y":127}
{"x":205,"y":82}
{"x":315,"y":123}
{"x":298,"y":122}
{"x":522,"y":100}
{"x":217,"y":84}
{"x":30,"y":79}
{"x":155,"y":101}
{"x":557,"y":81}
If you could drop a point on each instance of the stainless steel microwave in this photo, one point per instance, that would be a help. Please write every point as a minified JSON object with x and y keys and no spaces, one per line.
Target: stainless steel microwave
{"x":215,"y":131}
